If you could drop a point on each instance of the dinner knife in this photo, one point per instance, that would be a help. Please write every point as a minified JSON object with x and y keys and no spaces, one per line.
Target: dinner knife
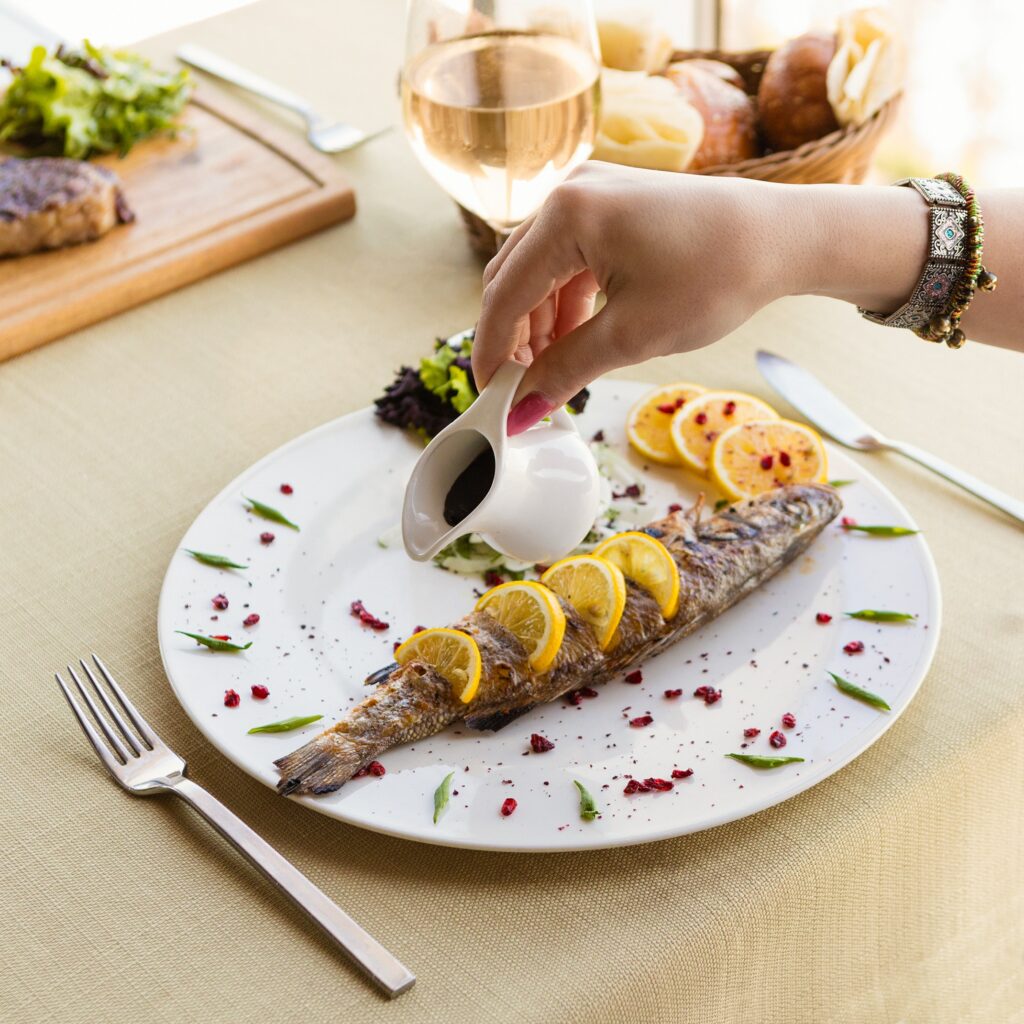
{"x":805,"y":392}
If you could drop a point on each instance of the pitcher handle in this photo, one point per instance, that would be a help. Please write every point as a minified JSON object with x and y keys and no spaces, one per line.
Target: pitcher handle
{"x":491,"y":409}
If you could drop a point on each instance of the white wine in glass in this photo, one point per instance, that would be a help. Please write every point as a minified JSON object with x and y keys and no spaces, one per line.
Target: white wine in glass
{"x":502,"y":111}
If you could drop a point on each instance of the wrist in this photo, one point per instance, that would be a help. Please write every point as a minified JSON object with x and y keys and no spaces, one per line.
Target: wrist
{"x":861,"y":244}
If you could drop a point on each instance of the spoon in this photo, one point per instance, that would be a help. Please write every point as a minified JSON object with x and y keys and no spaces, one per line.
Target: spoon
{"x":324,"y":135}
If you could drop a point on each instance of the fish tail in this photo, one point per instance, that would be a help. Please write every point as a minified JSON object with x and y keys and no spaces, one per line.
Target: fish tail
{"x":324,"y":764}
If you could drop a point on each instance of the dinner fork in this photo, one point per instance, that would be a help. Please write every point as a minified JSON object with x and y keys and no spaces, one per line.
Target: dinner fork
{"x":327,"y":136}
{"x":144,"y":765}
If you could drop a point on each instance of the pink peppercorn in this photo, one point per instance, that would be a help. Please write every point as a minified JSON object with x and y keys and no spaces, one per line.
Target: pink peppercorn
{"x":751,"y":733}
{"x":251,"y":620}
{"x":701,"y":418}
{"x":231,"y":699}
{"x":640,"y":721}
{"x":508,"y":805}
{"x":823,"y":618}
{"x":854,"y":647}
{"x":539,"y":744}
{"x":287,"y":489}
{"x":681,"y":773}
{"x":784,"y":458}
{"x":672,"y":694}
{"x":259,"y":691}
{"x":636,"y":676}
{"x":220,"y":602}
{"x":777,"y":740}
{"x":767,"y":461}
{"x":789,"y":720}
{"x":266,"y":537}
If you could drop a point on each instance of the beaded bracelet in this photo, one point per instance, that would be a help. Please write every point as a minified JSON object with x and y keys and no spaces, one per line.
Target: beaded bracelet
{"x":953,"y":269}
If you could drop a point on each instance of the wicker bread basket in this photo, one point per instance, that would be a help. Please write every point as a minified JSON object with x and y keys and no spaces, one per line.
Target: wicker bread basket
{"x":841,"y":156}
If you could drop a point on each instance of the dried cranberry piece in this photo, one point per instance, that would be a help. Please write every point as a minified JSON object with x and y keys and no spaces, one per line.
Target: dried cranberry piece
{"x":636,"y":786}
{"x":287,"y":489}
{"x":672,"y":694}
{"x":847,"y":521}
{"x":713,"y":696}
{"x":220,"y":602}
{"x":266,"y":537}
{"x":751,"y":733}
{"x":789,"y":720}
{"x":358,"y":611}
{"x":668,"y":408}
{"x":640,"y":721}
{"x":251,"y":620}
{"x":418,"y":629}
{"x":587,"y":691}
{"x":231,"y":699}
{"x":784,"y":458}
{"x":395,"y":646}
{"x":539,"y":744}
{"x":777,"y":740}
{"x":633,"y":491}
{"x":854,"y":647}
{"x":376,"y":769}
{"x":823,"y":618}
{"x":701,"y":691}
{"x":259,"y":691}
{"x":730,"y":408}
{"x":493,"y":579}
{"x":701,"y":418}
{"x":220,"y":636}
{"x":508,"y":805}
{"x":598,"y":437}
{"x":681,"y":773}
{"x":767,"y":461}
{"x":636,"y":676}
{"x":661,"y":785}
{"x":674,"y":507}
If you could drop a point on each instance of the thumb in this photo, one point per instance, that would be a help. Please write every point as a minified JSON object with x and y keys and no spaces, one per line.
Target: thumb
{"x":564,"y":368}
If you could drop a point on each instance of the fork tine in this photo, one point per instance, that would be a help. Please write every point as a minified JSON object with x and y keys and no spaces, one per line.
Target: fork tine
{"x":145,"y":731}
{"x":100,"y":720}
{"x":90,"y":733}
{"x":111,"y":708}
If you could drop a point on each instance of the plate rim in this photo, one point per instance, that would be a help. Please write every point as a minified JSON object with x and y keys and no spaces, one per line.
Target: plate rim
{"x":886,"y":721}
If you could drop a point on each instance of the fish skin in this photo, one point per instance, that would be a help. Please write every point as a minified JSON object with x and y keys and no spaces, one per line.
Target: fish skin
{"x":720,"y":560}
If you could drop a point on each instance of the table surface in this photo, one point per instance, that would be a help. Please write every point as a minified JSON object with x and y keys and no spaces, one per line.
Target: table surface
{"x":891,"y":892}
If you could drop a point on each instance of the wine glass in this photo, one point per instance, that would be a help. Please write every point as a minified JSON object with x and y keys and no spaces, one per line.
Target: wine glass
{"x":500,"y":99}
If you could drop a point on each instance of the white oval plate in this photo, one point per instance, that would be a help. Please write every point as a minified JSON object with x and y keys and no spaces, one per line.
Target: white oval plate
{"x":768,"y":655}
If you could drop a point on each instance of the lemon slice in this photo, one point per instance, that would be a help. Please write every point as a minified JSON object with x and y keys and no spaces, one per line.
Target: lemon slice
{"x":453,"y":654}
{"x":645,"y":561}
{"x":595,"y":587}
{"x":698,"y":423}
{"x":648,"y":423}
{"x":532,"y":614}
{"x":752,"y":458}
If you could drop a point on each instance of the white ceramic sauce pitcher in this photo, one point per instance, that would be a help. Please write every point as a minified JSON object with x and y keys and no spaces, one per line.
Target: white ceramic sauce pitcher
{"x":545,"y":493}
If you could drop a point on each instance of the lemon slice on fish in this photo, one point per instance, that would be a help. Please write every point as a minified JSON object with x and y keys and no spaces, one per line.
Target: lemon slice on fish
{"x":648,"y":423}
{"x":595,"y":587}
{"x":695,"y":428}
{"x":752,"y":458}
{"x":646,"y":561}
{"x":450,"y":653}
{"x":532,"y":614}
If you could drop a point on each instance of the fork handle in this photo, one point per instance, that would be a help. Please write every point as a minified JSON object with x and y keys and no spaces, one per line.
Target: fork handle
{"x":228,"y":71}
{"x":980,"y":489}
{"x":387,"y":971}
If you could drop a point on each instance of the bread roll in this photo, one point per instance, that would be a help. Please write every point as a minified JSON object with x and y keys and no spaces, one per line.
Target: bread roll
{"x":792,"y":100}
{"x":633,"y":45}
{"x":730,"y":128}
{"x":726,"y":72}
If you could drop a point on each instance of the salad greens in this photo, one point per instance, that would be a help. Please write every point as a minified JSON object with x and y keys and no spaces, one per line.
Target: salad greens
{"x":94,"y":100}
{"x":267,"y":512}
{"x":220,"y":561}
{"x":286,"y":724}
{"x":214,"y":643}
{"x":442,"y":795}
{"x":588,"y":809}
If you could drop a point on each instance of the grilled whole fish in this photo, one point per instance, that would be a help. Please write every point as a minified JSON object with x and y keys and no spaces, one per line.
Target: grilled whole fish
{"x":720,"y":560}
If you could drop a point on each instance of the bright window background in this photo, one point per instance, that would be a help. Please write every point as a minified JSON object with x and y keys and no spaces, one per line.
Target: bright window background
{"x":965,"y":74}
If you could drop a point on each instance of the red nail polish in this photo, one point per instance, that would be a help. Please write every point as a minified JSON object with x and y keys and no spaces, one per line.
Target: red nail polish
{"x":529,"y":410}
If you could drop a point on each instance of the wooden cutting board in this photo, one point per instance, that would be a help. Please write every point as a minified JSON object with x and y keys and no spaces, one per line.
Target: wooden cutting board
{"x":230,"y":186}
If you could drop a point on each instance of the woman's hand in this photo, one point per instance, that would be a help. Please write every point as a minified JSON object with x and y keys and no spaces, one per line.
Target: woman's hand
{"x":682,"y":260}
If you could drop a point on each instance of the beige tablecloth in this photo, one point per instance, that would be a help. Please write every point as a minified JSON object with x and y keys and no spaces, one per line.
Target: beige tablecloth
{"x":892,"y":892}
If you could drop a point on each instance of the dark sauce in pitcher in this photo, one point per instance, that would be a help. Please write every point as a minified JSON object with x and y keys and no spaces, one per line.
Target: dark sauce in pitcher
{"x":470,"y":488}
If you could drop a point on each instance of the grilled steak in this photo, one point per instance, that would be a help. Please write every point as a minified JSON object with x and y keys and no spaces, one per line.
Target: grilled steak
{"x":49,"y":202}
